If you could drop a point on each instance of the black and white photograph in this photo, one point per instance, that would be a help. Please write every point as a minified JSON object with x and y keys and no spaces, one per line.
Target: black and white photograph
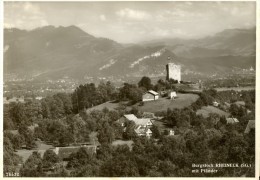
{"x":129,"y":89}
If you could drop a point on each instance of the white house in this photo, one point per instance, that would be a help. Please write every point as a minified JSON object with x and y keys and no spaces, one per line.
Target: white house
{"x":143,"y":131}
{"x":171,"y":132}
{"x":172,"y":94}
{"x":215,"y":103}
{"x":142,"y":125}
{"x":150,"y":96}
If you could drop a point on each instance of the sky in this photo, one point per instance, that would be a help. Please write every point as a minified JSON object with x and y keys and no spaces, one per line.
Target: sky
{"x":132,"y":22}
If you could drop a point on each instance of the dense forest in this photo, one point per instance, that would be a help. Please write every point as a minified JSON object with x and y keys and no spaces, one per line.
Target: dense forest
{"x":62,"y":120}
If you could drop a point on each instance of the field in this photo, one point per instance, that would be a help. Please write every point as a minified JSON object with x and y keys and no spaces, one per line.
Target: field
{"x":206,"y":110}
{"x":162,"y":104}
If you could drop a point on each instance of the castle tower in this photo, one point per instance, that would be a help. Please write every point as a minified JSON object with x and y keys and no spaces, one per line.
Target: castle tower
{"x":173,"y":72}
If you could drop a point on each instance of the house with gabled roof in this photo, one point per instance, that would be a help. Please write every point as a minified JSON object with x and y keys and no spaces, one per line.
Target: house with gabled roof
{"x":150,"y":96}
{"x":143,"y":131}
{"x":126,"y":117}
{"x":142,"y":125}
{"x":144,"y":122}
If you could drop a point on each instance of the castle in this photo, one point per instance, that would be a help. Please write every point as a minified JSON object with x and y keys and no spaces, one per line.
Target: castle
{"x":173,"y":72}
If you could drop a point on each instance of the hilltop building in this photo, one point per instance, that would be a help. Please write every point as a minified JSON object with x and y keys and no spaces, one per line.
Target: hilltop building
{"x":172,"y":94}
{"x":173,"y":72}
{"x":150,"y":96}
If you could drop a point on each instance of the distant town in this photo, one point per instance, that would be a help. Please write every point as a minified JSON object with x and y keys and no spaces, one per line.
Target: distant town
{"x":26,"y":88}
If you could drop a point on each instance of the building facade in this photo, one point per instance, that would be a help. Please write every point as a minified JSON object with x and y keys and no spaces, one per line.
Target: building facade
{"x":150,"y":96}
{"x":142,"y":125}
{"x":173,"y":72}
{"x":172,"y":94}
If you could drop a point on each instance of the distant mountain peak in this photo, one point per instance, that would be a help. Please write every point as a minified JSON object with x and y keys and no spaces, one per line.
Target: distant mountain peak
{"x":70,"y":50}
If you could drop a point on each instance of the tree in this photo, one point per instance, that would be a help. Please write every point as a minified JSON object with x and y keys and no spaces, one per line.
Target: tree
{"x":234,"y":110}
{"x":120,"y":166}
{"x":27,"y":135}
{"x":10,"y":160}
{"x":45,"y":109}
{"x":173,"y":81}
{"x":167,"y":168}
{"x":16,"y":139}
{"x":81,"y":158}
{"x":8,"y":122}
{"x":33,"y":166}
{"x":156,"y":132}
{"x":146,"y":83}
{"x":104,"y":152}
{"x":106,"y":134}
{"x":17,"y":113}
{"x":248,"y":101}
{"x":78,"y":128}
{"x":118,"y":130}
{"x":124,"y":92}
{"x":135,"y":94}
{"x":130,"y":132}
{"x":237,"y":149}
{"x":50,"y":158}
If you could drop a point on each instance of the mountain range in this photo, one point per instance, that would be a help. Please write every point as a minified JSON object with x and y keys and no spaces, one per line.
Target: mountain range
{"x":53,"y":52}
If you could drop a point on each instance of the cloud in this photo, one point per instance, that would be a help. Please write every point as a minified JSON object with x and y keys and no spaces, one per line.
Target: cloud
{"x":102,"y":17}
{"x":8,"y":25}
{"x":30,"y":8}
{"x":133,"y":14}
{"x":25,"y":15}
{"x":235,"y":11}
{"x":189,"y":3}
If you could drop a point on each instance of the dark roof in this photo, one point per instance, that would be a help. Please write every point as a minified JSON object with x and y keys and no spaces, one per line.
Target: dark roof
{"x":250,"y":125}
